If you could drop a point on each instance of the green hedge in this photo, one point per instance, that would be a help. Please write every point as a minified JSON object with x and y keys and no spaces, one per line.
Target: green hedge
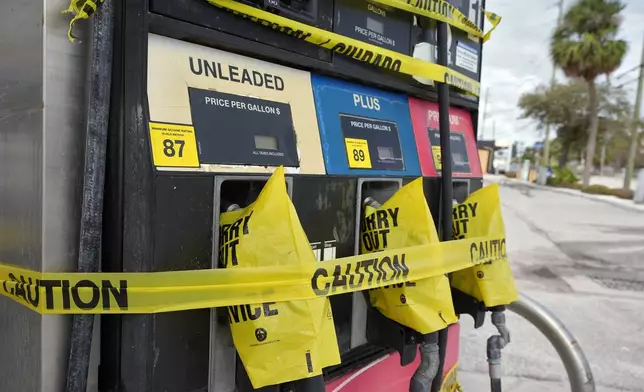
{"x":569,"y":186}
{"x":623,"y":193}
{"x":563,"y":177}
{"x":596,"y":190}
{"x":604,"y":190}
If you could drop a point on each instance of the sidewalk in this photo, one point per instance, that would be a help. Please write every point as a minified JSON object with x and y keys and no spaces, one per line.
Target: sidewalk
{"x":472,"y":381}
{"x":615,"y":201}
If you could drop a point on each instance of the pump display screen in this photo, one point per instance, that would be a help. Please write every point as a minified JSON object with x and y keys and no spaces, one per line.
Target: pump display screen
{"x":263,"y":142}
{"x":235,"y":129}
{"x":371,"y":143}
{"x":375,"y":25}
{"x":460,"y":161}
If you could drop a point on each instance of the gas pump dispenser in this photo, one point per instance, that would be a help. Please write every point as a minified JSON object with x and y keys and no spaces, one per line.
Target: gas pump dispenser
{"x":467,"y":178}
{"x":368,"y":143}
{"x":208,"y":99}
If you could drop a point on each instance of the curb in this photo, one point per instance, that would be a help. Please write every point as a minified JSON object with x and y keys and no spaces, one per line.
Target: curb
{"x":612,"y":200}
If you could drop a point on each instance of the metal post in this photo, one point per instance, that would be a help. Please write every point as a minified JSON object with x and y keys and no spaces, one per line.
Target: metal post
{"x":546,"y":143}
{"x":569,"y":350}
{"x":635,"y":127}
{"x":446,"y":178}
{"x":487,"y":97}
{"x":98,"y":109}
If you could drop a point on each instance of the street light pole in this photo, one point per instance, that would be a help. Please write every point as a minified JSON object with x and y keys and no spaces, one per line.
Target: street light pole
{"x":546,"y":143}
{"x":632,"y":152}
{"x":487,"y":95}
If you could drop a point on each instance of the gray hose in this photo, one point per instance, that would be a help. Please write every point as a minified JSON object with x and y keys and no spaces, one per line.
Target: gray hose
{"x":98,"y":108}
{"x":495,"y":344}
{"x":422,"y":379}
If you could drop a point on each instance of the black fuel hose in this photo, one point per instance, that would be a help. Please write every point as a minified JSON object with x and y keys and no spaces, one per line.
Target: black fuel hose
{"x":496,"y":384}
{"x":446,"y":179}
{"x":98,"y":108}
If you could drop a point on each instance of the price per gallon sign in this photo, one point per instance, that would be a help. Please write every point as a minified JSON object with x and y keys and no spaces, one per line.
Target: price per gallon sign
{"x":371,"y":143}
{"x":460,"y":161}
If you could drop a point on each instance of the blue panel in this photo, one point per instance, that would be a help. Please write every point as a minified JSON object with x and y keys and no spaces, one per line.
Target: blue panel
{"x":373,"y":120}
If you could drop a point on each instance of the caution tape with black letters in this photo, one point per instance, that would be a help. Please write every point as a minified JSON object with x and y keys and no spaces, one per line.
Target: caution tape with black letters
{"x":383,"y":58}
{"x":155,"y":292}
{"x":443,"y":11}
{"x":358,"y":50}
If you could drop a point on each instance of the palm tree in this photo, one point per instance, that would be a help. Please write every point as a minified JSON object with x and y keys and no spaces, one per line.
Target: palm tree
{"x":585,"y":46}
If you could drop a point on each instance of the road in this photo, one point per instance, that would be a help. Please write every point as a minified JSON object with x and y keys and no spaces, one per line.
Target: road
{"x":584,"y":260}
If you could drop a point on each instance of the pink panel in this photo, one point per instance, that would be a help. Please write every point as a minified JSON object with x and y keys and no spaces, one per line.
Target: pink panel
{"x":424,"y":115}
{"x":451,"y":356}
{"x":385,"y":374}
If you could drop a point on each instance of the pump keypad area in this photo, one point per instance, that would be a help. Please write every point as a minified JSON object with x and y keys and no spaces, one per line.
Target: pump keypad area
{"x":238,"y":130}
{"x":364,"y":131}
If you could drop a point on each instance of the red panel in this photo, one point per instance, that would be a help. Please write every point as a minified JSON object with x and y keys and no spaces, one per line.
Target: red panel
{"x":451,"y":356}
{"x":386,"y":375}
{"x":424,"y":115}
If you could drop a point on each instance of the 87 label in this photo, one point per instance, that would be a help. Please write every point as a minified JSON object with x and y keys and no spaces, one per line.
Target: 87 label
{"x":173,"y":145}
{"x":169,"y":150}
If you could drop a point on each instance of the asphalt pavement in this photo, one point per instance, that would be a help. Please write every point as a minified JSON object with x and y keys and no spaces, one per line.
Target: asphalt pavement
{"x":584,"y":260}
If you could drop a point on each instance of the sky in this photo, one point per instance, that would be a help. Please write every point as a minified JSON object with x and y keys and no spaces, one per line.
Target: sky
{"x":516,"y":59}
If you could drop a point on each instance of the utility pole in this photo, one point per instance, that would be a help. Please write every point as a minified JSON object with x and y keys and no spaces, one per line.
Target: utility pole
{"x":494,"y":130}
{"x":632,"y":152}
{"x":487,"y":96}
{"x":546,"y":143}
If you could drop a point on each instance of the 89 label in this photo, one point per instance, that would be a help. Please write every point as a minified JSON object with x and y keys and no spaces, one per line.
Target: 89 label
{"x":358,"y":153}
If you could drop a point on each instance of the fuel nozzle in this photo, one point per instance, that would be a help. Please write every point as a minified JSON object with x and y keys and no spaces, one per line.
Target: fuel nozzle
{"x":233,"y":207}
{"x":495,"y":344}
{"x":371,"y":202}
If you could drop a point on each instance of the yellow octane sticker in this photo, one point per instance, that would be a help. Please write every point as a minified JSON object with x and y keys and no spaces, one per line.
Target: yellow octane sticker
{"x":153,"y":292}
{"x":358,"y":153}
{"x":358,"y":50}
{"x":173,"y":145}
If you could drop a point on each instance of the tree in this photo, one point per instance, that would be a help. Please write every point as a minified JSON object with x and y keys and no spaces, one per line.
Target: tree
{"x":585,"y":46}
{"x":565,"y":107}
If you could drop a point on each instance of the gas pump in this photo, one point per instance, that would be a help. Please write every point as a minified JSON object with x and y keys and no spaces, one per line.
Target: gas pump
{"x":367,"y":141}
{"x":466,"y":178}
{"x":206,"y":104}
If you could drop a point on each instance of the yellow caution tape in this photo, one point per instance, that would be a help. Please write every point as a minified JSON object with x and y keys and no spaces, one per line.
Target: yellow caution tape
{"x":450,"y":383}
{"x":358,"y":50}
{"x":81,"y":9}
{"x":154,"y":292}
{"x":444,"y":12}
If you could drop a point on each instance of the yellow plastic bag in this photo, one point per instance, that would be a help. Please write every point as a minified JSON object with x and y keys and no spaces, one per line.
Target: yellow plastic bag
{"x":480,"y":215}
{"x":284,"y":341}
{"x":404,"y":220}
